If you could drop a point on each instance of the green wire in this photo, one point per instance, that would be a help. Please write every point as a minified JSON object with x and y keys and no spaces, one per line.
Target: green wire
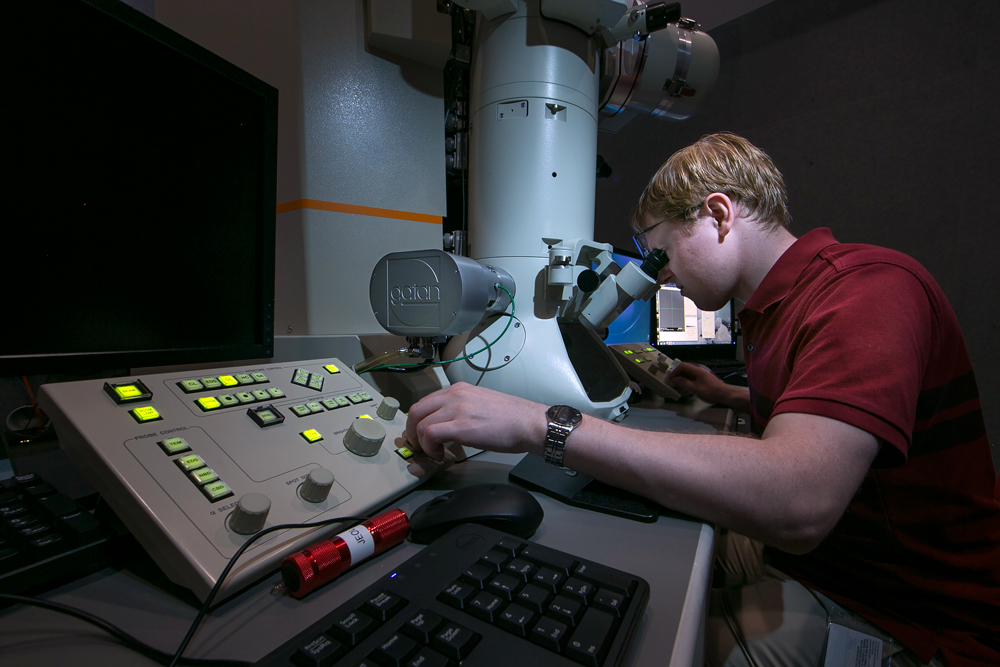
{"x":451,"y":361}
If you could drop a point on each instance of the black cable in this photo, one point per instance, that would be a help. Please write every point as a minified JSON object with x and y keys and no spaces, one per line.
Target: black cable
{"x":232,"y":562}
{"x":116,"y":632}
{"x":735,"y":630}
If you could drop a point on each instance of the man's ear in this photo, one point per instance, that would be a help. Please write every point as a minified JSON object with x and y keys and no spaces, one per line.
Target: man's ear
{"x":723,"y":212}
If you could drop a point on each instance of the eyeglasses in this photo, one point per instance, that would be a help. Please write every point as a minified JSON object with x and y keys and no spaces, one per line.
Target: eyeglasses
{"x":640,"y":240}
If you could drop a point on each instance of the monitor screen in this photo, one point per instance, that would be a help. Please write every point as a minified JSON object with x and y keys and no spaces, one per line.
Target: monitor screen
{"x":141,"y":176}
{"x":688,"y":331}
{"x":632,"y":326}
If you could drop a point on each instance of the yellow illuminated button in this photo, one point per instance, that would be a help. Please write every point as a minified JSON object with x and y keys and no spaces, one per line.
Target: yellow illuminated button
{"x":216,"y":491}
{"x":245,"y":397}
{"x":228,"y":380}
{"x":342,"y":401}
{"x":190,"y":462}
{"x":276,"y":392}
{"x":260,"y":394}
{"x":203,"y":475}
{"x":228,"y":400}
{"x":211,"y":383}
{"x":314,"y":407}
{"x":405,"y":453}
{"x":174,"y":446}
{"x":331,"y":369}
{"x":363,"y":417}
{"x":128,"y":391}
{"x":190,"y":386}
{"x":312,"y":435}
{"x":301,"y":410}
{"x":244,"y":378}
{"x":147,"y":413}
{"x":259,"y":377}
{"x":208,"y":403}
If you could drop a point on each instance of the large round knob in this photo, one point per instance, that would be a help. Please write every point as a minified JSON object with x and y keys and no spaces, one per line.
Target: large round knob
{"x":365,"y":437}
{"x":317,"y":485}
{"x":250,"y":514}
{"x":387,"y":409}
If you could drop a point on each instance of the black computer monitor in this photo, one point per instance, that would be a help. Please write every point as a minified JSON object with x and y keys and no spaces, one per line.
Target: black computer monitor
{"x":633,"y":325}
{"x":683,"y":331}
{"x":141,"y":183}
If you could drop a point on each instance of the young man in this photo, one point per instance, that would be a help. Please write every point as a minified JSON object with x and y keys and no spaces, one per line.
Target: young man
{"x":871,"y":480}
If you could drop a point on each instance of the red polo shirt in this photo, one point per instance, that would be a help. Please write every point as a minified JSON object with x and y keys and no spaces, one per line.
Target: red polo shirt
{"x":865,"y":336}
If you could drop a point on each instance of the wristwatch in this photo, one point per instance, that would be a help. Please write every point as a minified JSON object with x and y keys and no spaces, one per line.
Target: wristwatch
{"x":562,"y":420}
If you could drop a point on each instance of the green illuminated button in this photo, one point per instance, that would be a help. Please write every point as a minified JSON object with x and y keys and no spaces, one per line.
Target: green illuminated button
{"x":275,"y":392}
{"x":146,"y":413}
{"x":301,"y":410}
{"x":331,"y":369}
{"x":211,"y":383}
{"x":209,"y":403}
{"x":216,"y":491}
{"x":649,"y":349}
{"x":190,"y":386}
{"x":365,"y":396}
{"x":228,"y":400}
{"x":627,"y":352}
{"x":312,"y":435}
{"x":355,"y":398}
{"x":174,"y":446}
{"x":203,"y":475}
{"x":245,"y":378}
{"x":329,"y":404}
{"x":266,"y":416}
{"x":245,"y":397}
{"x":314,"y":407}
{"x":128,"y":392}
{"x":259,"y":377}
{"x":316,"y":382}
{"x":260,"y":394}
{"x":228,"y":380}
{"x":190,"y":462}
{"x":301,"y":377}
{"x":405,"y":453}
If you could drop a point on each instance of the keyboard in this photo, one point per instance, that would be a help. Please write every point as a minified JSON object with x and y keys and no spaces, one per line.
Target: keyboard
{"x":46,"y":538}
{"x":482,"y":598}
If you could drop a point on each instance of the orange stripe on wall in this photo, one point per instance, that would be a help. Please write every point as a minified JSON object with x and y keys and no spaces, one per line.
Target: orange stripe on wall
{"x":319,"y":205}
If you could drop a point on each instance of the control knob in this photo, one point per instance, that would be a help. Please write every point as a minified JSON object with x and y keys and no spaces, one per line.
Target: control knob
{"x":387,"y":409}
{"x":250,"y":513}
{"x":365,"y":437}
{"x":317,"y":485}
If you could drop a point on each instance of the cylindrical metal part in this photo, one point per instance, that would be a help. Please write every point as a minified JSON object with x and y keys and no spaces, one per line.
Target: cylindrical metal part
{"x":387,"y":408}
{"x":324,"y":561}
{"x":250,"y":513}
{"x":317,"y":486}
{"x":364,"y":437}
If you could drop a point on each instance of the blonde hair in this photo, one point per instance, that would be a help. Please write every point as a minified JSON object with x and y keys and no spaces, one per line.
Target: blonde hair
{"x":721,"y":162}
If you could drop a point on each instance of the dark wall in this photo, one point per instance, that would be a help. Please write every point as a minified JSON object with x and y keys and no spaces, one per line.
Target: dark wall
{"x":882,"y":118}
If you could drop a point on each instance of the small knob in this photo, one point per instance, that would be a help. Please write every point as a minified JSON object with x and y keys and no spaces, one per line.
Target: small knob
{"x":317,"y":485}
{"x":250,"y":514}
{"x":387,"y":409}
{"x":365,"y":437}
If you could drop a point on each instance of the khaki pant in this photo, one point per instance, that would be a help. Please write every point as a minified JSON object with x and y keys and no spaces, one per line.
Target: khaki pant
{"x":784,"y":623}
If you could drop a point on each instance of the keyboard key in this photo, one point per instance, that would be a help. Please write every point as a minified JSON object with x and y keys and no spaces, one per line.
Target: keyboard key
{"x":422,"y":626}
{"x":457,"y":594}
{"x":517,"y":619}
{"x":590,"y":637}
{"x":610,"y":601}
{"x":555,"y":560}
{"x":607,"y":578}
{"x":510,"y":546}
{"x":534,"y":598}
{"x":384,"y":606}
{"x":495,"y":559}
{"x":319,"y":652}
{"x":478,"y":575}
{"x":394,"y":651}
{"x":579,"y":589}
{"x":505,"y":586}
{"x":352,"y":626}
{"x":455,"y":641}
{"x":549,"y":633}
{"x":425,"y":657}
{"x":566,"y":610}
{"x":549,"y":579}
{"x":521,"y":569}
{"x":486,"y":606}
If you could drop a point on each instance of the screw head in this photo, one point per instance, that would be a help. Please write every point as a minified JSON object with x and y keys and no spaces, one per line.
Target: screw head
{"x":507,"y":358}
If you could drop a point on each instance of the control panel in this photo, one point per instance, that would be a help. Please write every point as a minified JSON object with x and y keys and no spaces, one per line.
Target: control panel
{"x":647,"y":365}
{"x":196,"y":462}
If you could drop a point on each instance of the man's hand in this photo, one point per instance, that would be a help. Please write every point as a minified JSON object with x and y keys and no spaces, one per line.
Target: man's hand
{"x":708,"y":387}
{"x":475,"y":417}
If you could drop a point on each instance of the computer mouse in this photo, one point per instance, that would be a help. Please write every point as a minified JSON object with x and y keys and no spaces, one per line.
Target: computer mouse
{"x":504,"y":507}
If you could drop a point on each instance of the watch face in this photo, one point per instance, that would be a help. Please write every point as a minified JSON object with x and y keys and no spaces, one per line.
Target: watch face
{"x":565,"y":415}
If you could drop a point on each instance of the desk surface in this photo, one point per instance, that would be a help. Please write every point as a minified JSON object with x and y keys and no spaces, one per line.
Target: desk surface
{"x":674,"y":555}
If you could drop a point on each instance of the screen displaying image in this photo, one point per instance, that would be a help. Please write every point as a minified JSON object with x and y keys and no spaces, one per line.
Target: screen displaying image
{"x":680,"y":322}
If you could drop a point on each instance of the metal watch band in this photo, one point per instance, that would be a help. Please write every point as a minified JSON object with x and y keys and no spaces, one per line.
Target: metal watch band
{"x":555,"y":443}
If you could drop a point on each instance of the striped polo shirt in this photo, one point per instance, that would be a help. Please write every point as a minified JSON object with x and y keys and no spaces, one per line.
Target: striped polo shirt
{"x":864,"y":335}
